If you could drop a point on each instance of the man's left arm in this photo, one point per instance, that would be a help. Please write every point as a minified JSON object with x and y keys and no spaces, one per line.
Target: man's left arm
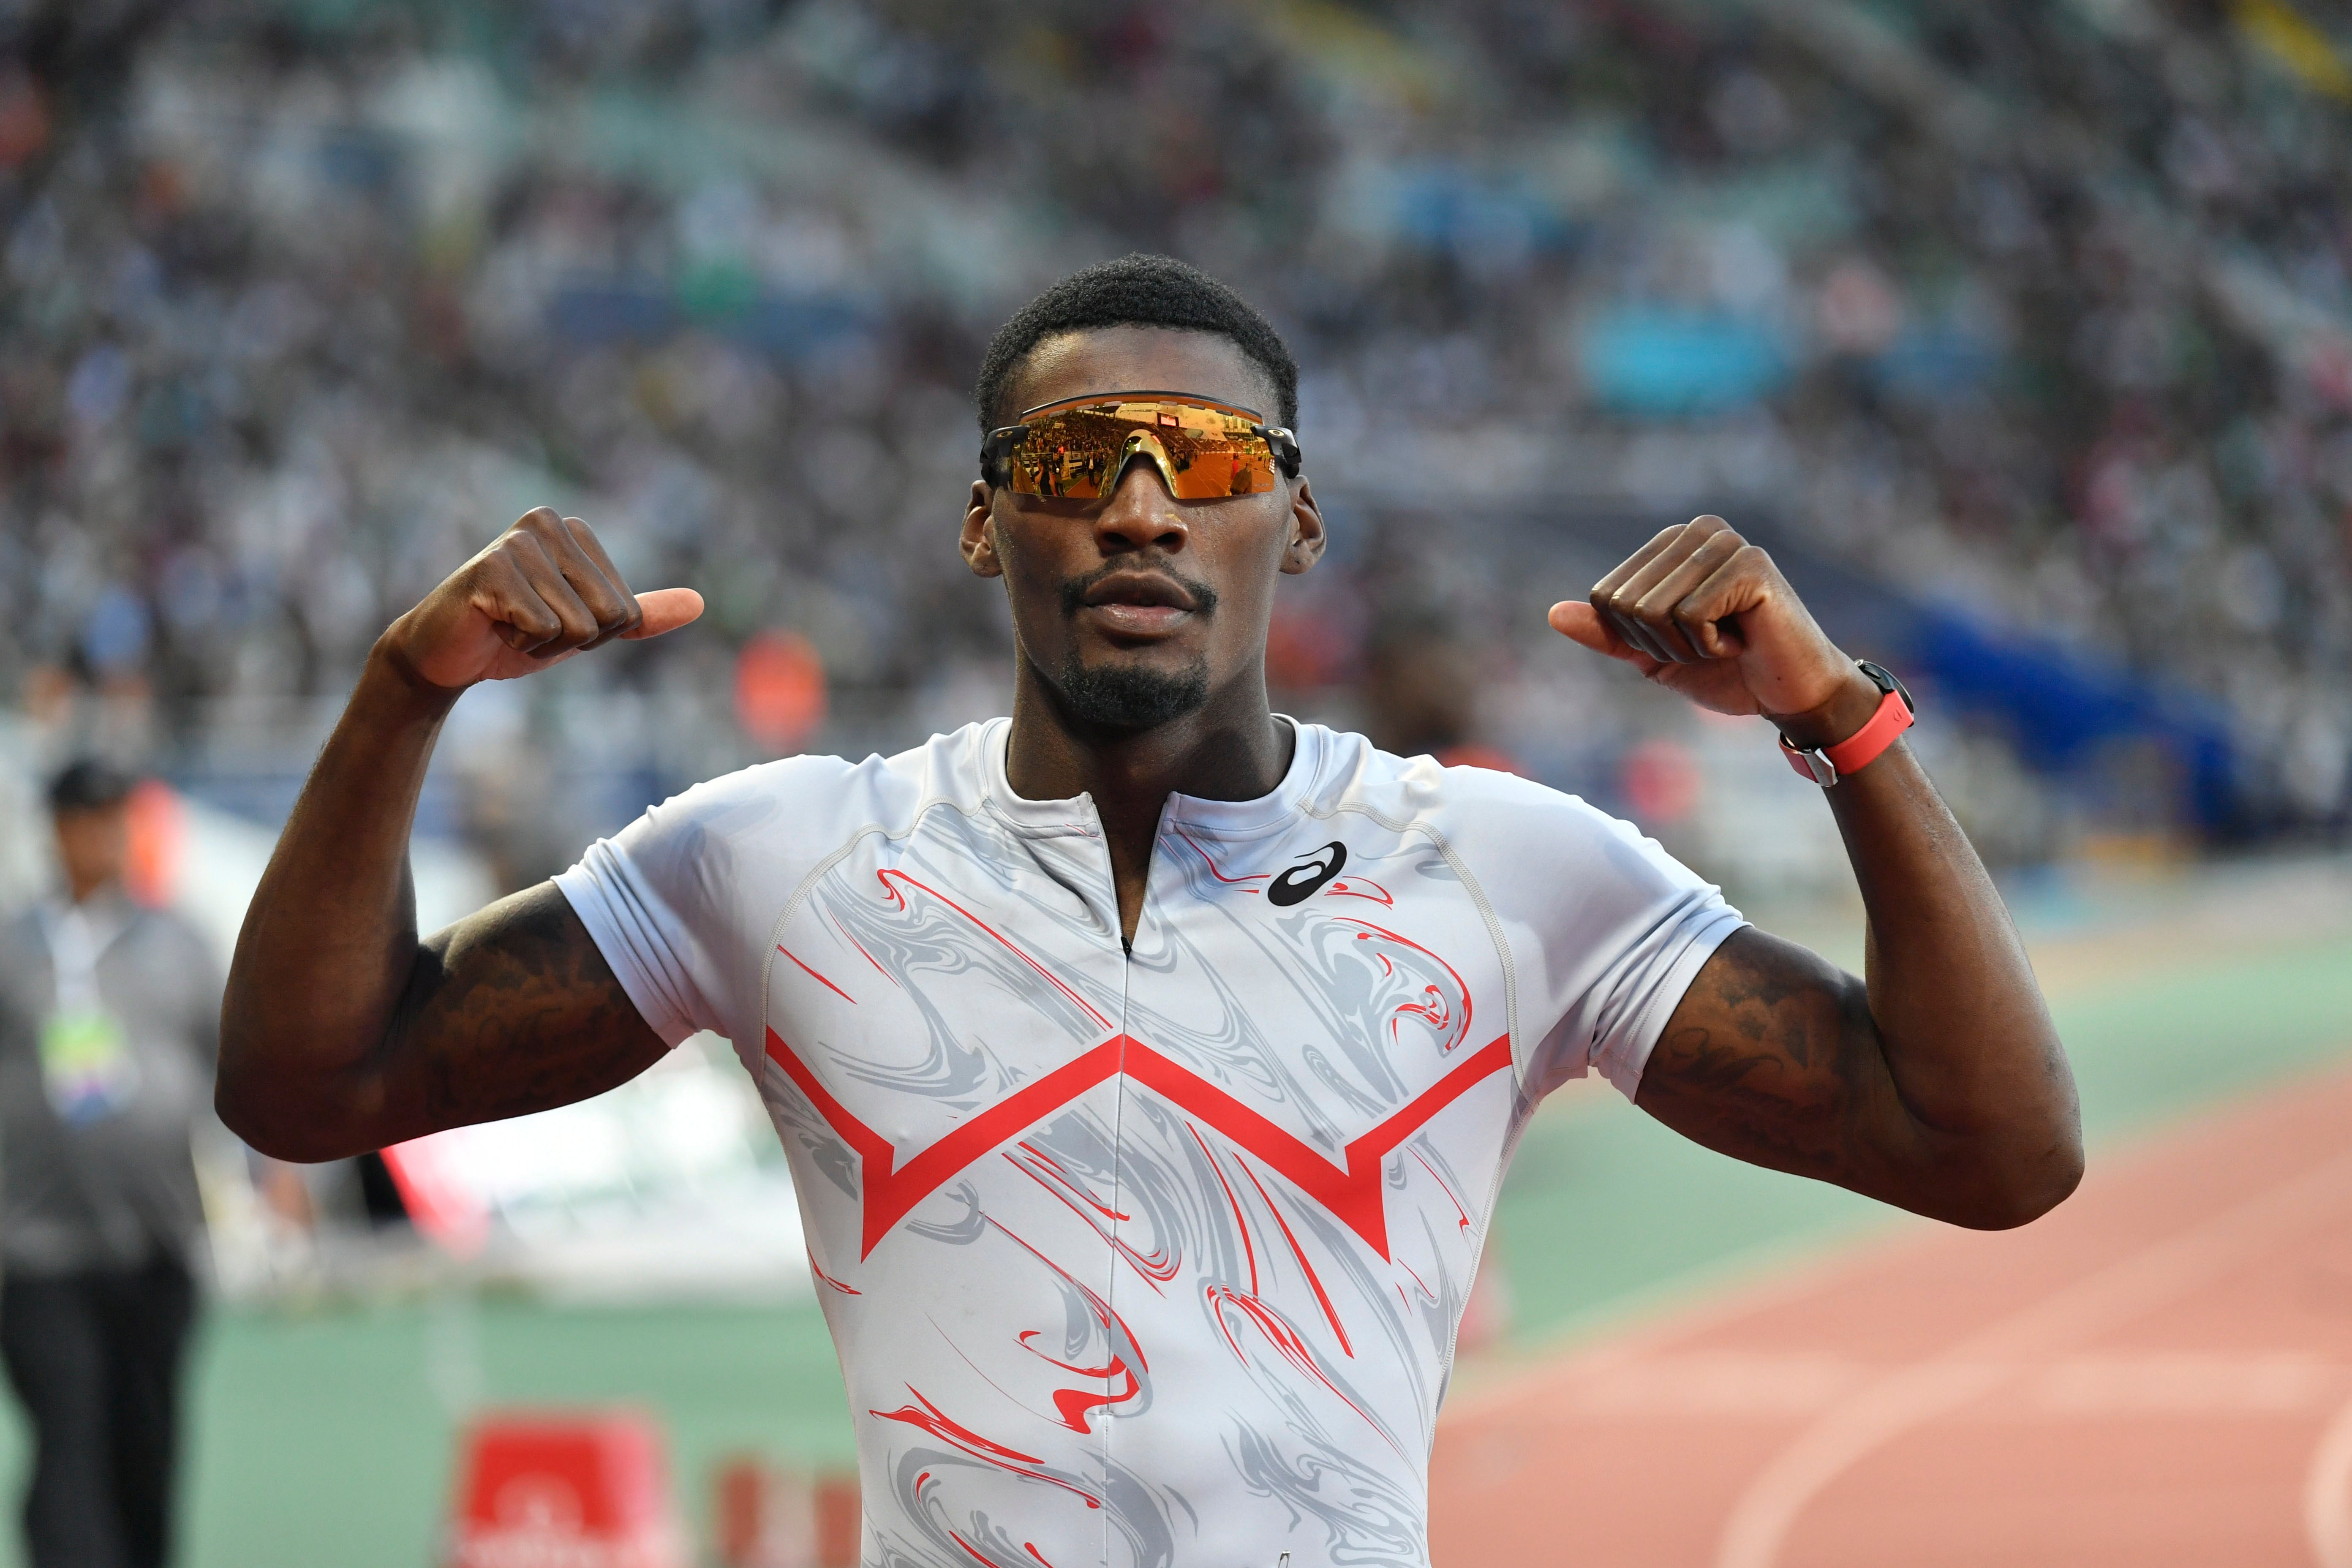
{"x":1937,"y":1083}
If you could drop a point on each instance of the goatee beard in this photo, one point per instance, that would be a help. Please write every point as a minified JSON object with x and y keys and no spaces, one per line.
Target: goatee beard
{"x":1126,"y":697}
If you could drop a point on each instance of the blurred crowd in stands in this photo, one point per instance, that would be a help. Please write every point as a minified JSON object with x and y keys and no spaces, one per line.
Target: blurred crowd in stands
{"x":2034,"y":311}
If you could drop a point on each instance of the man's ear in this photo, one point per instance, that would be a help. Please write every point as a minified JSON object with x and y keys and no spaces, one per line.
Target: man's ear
{"x":979,"y":541}
{"x":1307,"y":534}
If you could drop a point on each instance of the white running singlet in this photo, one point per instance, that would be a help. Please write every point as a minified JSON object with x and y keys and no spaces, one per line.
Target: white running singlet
{"x":1148,"y":1261}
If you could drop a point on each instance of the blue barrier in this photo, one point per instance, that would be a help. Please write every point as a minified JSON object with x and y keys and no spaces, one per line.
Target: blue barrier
{"x":2060,"y":708}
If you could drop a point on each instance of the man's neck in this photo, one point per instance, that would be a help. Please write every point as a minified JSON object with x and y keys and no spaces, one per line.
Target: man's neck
{"x":1230,"y":748}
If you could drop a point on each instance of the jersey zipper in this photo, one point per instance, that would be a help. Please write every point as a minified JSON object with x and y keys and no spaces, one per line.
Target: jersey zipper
{"x":1118,"y":1152}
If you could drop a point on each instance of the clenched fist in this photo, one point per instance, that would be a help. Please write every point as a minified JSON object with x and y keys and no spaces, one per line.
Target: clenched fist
{"x":544,"y":591}
{"x":1702,"y":611}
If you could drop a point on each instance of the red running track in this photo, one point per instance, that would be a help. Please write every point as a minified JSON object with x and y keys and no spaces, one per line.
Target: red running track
{"x":2158,"y":1374}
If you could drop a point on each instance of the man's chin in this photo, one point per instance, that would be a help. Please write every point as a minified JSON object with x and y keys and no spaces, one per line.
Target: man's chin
{"x":1123,"y":694}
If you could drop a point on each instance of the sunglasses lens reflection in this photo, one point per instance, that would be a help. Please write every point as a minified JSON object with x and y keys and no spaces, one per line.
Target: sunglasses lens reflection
{"x":1205,"y":453}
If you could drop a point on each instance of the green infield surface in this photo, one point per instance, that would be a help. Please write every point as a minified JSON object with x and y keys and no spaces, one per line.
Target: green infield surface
{"x":326,"y":1439}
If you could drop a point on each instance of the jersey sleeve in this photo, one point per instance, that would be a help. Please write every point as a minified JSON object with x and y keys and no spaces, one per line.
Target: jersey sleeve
{"x":1607,"y":932}
{"x":626,"y":893}
{"x":679,"y":901}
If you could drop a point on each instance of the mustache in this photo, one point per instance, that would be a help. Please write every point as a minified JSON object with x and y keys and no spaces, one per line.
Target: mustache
{"x":1075,"y":591}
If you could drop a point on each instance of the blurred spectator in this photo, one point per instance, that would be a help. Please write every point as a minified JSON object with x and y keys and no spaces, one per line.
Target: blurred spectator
{"x":1420,"y":689}
{"x":2045,"y":303}
{"x":109,"y":1013}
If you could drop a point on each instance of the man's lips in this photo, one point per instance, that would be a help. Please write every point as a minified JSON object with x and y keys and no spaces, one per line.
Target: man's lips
{"x":1140,"y":604}
{"x":1141,"y":588}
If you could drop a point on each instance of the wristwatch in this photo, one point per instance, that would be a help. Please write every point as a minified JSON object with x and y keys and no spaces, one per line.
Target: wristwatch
{"x":1827,"y":764}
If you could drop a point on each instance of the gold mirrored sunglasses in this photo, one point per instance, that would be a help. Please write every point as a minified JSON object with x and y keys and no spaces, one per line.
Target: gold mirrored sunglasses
{"x":1079,"y":447}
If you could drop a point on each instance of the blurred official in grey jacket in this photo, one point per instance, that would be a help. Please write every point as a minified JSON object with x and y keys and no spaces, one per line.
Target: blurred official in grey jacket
{"x":109,"y":1021}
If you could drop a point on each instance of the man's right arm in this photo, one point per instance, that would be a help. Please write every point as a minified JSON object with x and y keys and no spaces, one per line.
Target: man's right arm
{"x":341,"y":1031}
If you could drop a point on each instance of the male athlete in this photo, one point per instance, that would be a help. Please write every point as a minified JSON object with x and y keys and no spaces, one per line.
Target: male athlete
{"x":1147,"y":1062}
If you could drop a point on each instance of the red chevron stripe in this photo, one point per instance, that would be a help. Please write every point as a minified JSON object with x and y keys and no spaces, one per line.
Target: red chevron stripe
{"x":1353,"y":1194}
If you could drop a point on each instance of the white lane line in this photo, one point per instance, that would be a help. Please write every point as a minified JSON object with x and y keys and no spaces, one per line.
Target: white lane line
{"x":1760,"y":1522}
{"x":1691,"y":1305}
{"x":2176,"y":1384}
{"x":2327,"y":1495}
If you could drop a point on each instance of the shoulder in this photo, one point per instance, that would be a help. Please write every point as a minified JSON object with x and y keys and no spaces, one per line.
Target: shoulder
{"x":21,"y":941}
{"x":678,"y":900}
{"x":802,"y":808}
{"x":1463,"y":804}
{"x":1521,"y":840}
{"x":166,"y":930}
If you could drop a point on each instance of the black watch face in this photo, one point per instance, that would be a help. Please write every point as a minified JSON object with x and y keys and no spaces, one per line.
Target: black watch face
{"x":1888,"y":681}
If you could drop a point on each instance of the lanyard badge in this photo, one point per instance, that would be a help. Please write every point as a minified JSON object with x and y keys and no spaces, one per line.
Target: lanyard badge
{"x":88,"y":1070}
{"x":86,"y":1066}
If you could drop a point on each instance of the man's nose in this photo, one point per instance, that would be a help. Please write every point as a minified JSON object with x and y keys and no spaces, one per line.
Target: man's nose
{"x":1141,"y":512}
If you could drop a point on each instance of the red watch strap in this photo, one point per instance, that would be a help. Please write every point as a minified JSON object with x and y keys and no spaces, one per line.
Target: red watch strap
{"x":1862,"y":748}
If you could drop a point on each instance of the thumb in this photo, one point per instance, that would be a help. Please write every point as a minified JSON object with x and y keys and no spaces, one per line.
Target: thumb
{"x":1578,"y":622}
{"x":665,"y":610}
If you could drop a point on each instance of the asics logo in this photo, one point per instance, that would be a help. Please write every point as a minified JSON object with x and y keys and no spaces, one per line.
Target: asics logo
{"x":1300,"y":883}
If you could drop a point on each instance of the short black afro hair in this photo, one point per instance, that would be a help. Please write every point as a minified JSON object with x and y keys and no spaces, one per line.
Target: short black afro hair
{"x":1135,"y":291}
{"x":89,"y":783}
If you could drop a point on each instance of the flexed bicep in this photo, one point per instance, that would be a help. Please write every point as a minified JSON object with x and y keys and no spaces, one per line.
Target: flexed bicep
{"x":1771,"y":1057}
{"x":512,"y":1010}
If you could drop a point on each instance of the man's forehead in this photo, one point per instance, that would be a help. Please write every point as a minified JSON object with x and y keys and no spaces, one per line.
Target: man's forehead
{"x":1129,"y":358}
